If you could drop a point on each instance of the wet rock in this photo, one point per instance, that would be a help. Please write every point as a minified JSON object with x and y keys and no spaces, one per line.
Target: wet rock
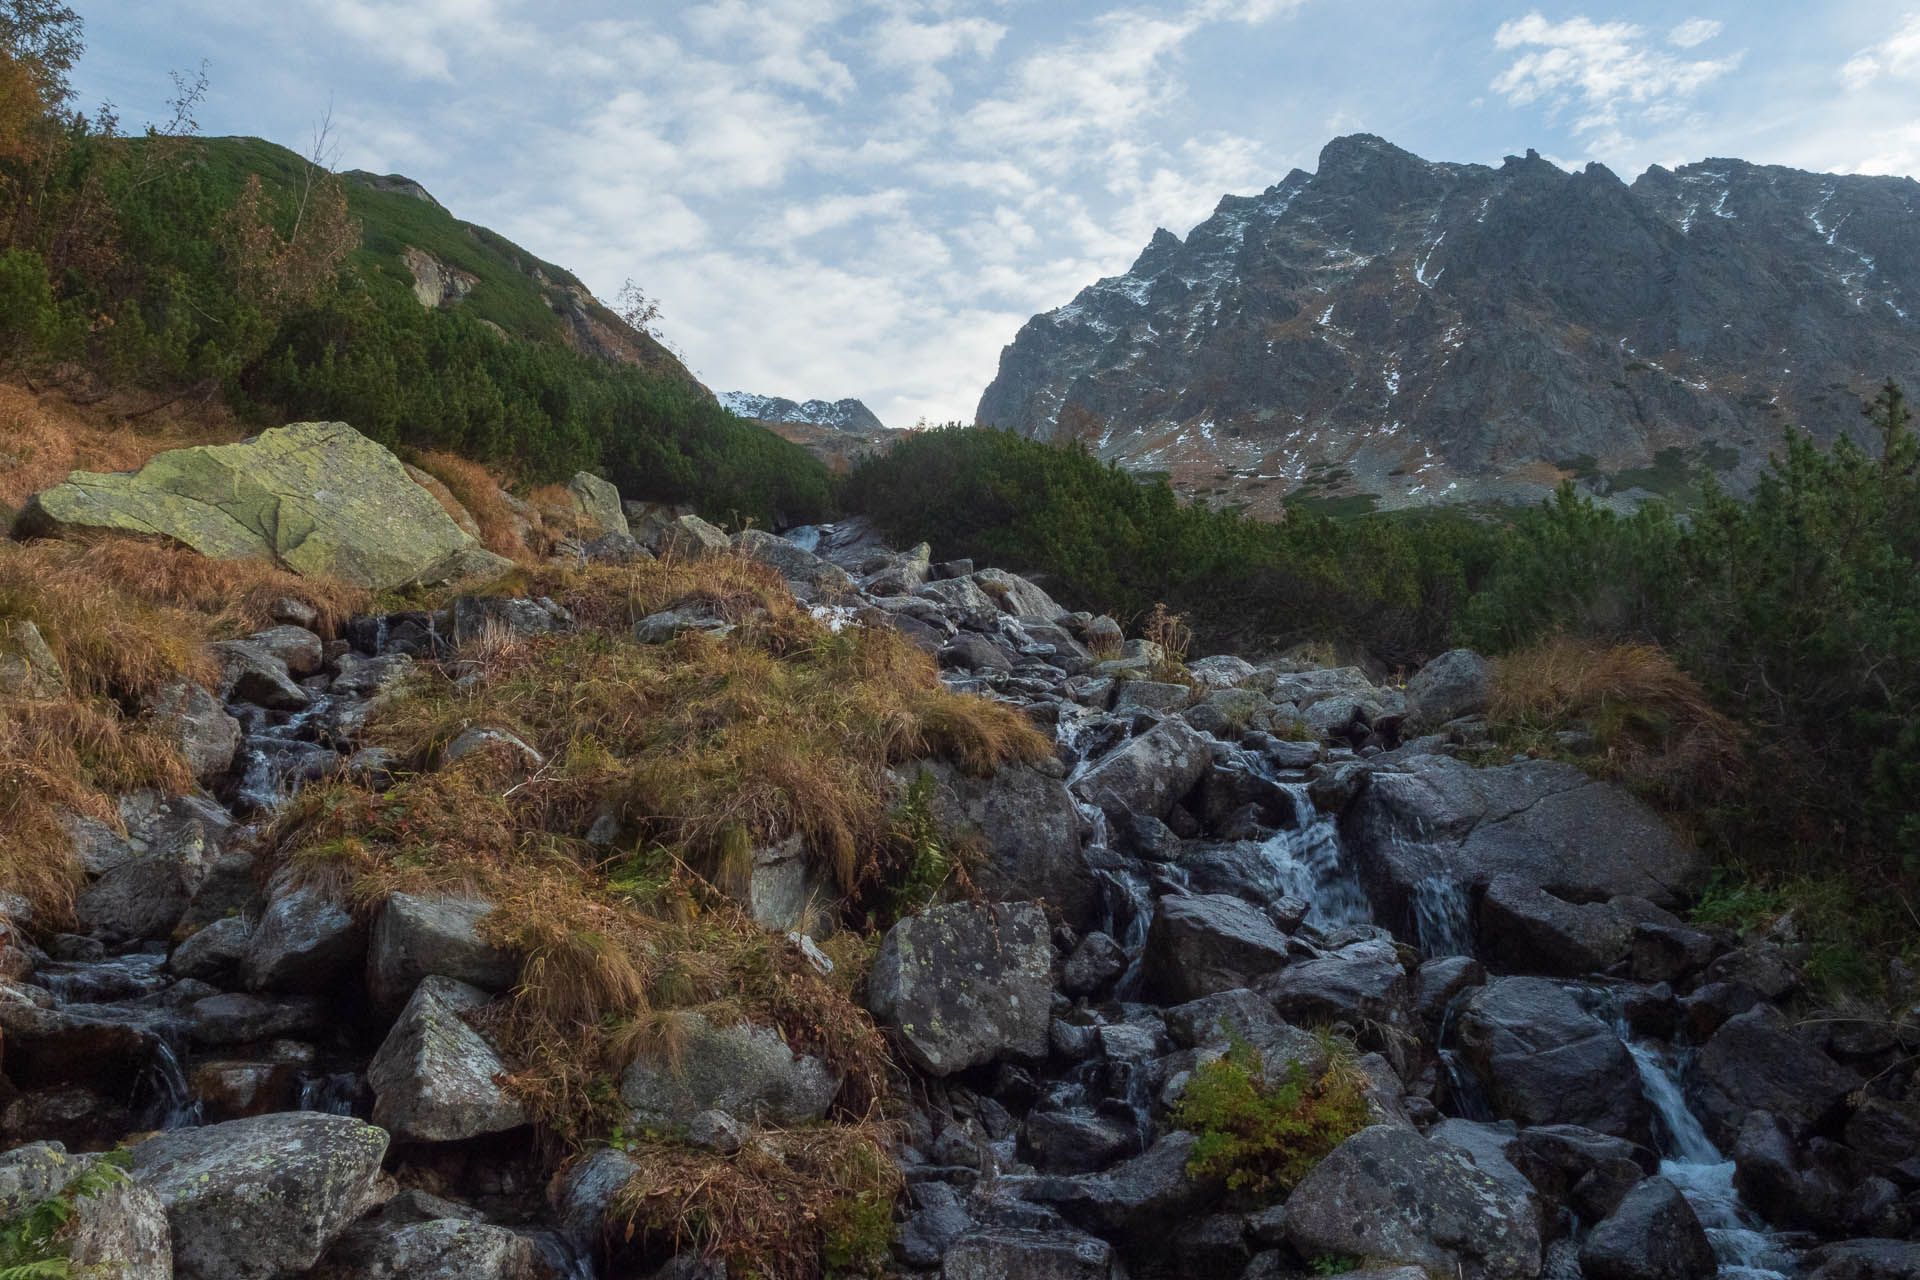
{"x":1138,"y":1199}
{"x":263,"y":1197}
{"x":1003,"y":1253}
{"x":304,"y":943}
{"x":142,"y":899}
{"x":416,"y":935}
{"x":1754,"y":1063}
{"x":1764,"y":967}
{"x":1390,"y":1195}
{"x":1077,"y":1141}
{"x":1360,"y":984}
{"x":1884,"y":1133}
{"x":73,"y":1047}
{"x":215,"y":952}
{"x":1150,"y":774}
{"x":745,"y":1071}
{"x":939,"y":1218}
{"x":198,"y":725}
{"x":1545,"y":1060}
{"x":1097,"y":961}
{"x":1455,"y":684}
{"x":1653,"y":1235}
{"x":1588,"y":1171}
{"x":1437,"y":983}
{"x":1209,"y":943}
{"x":1525,"y":929}
{"x":437,"y":1249}
{"x":1777,"y":1174}
{"x":297,"y":649}
{"x":586,"y":1190}
{"x":963,"y":984}
{"x":1031,"y":831}
{"x":235,"y":1090}
{"x":235,"y":1017}
{"x":434,"y":1076}
{"x":1668,"y":953}
{"x":79,"y":1118}
{"x":1864,"y":1260}
{"x":249,"y":673}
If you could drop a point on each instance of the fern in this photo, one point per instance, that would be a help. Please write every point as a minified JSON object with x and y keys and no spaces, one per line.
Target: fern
{"x":1259,"y":1137}
{"x":32,"y":1242}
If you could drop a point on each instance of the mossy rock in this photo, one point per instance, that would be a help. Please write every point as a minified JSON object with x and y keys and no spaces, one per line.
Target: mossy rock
{"x":317,"y":498}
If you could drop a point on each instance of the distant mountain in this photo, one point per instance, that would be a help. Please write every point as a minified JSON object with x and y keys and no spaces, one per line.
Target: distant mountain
{"x":835,"y":431}
{"x":841,"y":415}
{"x":1419,"y":332}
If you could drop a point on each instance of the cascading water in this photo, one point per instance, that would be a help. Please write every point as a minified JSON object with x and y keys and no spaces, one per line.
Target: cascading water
{"x":332,"y":1093}
{"x":170,"y":1101}
{"x":1440,"y":917}
{"x":1692,"y":1163}
{"x":1310,"y":863}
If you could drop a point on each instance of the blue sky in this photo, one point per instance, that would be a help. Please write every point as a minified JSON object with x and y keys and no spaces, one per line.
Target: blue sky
{"x":868,"y":197}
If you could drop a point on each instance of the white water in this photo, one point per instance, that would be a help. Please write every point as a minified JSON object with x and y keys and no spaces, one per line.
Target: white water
{"x":1440,"y":918}
{"x":1692,"y":1163}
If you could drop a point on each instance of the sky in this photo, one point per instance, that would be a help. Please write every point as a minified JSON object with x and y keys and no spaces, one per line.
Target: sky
{"x":832,"y":198}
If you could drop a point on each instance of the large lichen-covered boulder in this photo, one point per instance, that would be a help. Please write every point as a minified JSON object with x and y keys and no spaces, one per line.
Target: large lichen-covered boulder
{"x":260,"y":1198}
{"x":434,"y":1076}
{"x":964,"y":983}
{"x":317,"y":498}
{"x":596,"y":507}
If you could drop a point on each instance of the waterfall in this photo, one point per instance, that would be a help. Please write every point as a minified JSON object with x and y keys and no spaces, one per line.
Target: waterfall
{"x":332,"y":1094}
{"x":170,"y":1100}
{"x":1310,"y":863}
{"x":1440,"y":917}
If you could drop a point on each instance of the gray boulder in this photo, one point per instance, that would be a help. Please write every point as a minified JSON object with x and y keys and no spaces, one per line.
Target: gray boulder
{"x":597,"y":510}
{"x":1222,"y":671}
{"x":1653,"y":1235}
{"x":433,"y":1077}
{"x":1015,"y":595}
{"x":299,"y":649}
{"x":1024,"y":1253}
{"x":746,"y":1071}
{"x":1455,"y":684}
{"x":117,"y":1232}
{"x":261,"y":1198}
{"x":1208,"y":943}
{"x":1031,"y":832}
{"x":1097,"y":961}
{"x":586,"y":1190}
{"x":214,"y":953}
{"x":788,"y":889}
{"x":305,"y":943}
{"x":963,"y":984}
{"x":1142,"y":1199}
{"x":437,"y":1249}
{"x":28,"y":666}
{"x":1150,"y":774}
{"x":797,"y":565}
{"x":475,"y":616}
{"x":1151,"y":695}
{"x":1755,"y":1063}
{"x":1362,"y":984}
{"x":249,"y":673}
{"x":415,"y":935}
{"x":1864,"y":1260}
{"x":1437,"y":818}
{"x":971,"y":651}
{"x":1523,"y":928}
{"x":1389,"y":1195}
{"x":198,"y":725}
{"x":1545,"y":1060}
{"x":234,"y":1017}
{"x":691,"y":538}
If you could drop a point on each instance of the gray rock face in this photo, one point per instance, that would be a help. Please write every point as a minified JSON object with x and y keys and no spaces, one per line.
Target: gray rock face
{"x":1457,"y":683}
{"x":1390,"y":1195}
{"x":249,"y":673}
{"x":262,"y":1198}
{"x":787,"y":889}
{"x":1548,"y":824}
{"x":1209,"y":943}
{"x":1031,"y":832}
{"x":962,"y":984}
{"x":305,"y":943}
{"x":745,"y":1071}
{"x":1150,"y":774}
{"x":1015,"y":1253}
{"x":415,"y":936}
{"x":1384,"y":264}
{"x":1754,"y":1063}
{"x":433,"y":1076}
{"x":1653,"y":1235}
{"x":1545,"y":1060}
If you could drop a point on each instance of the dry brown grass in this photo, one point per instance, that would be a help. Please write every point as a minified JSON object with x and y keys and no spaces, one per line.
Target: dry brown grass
{"x":1648,"y":723}
{"x":45,"y":436}
{"x":475,"y":489}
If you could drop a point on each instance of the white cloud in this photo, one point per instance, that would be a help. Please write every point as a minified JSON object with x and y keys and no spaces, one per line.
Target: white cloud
{"x":1695,"y":31}
{"x":1895,"y":58}
{"x":899,"y":41}
{"x":1608,"y":72}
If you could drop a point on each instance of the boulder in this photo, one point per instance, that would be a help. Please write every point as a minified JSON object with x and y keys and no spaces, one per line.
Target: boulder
{"x":691,"y":538}
{"x":1545,"y":1060}
{"x":595,"y":507}
{"x":1020,"y":1253}
{"x":1362,"y":984}
{"x":964,"y":983}
{"x":249,"y":673}
{"x":234,"y":1017}
{"x":1150,"y":774}
{"x":260,"y":1198}
{"x":1151,"y":695}
{"x":1587,"y":1171}
{"x":1653,"y":1235}
{"x":305,"y":943}
{"x":415,"y":936}
{"x":436,"y":1249}
{"x":1437,"y":983}
{"x":1142,"y":1199}
{"x":475,"y":616}
{"x":971,"y":651}
{"x":1524,"y":929}
{"x":487,"y":738}
{"x":196,"y":722}
{"x":1864,"y":1260}
{"x":789,"y":889}
{"x":586,"y":1189}
{"x":317,"y":498}
{"x":1097,"y":961}
{"x":1203,"y":944}
{"x":77,"y":1046}
{"x":1077,"y":1141}
{"x":797,"y":565}
{"x":144,"y":897}
{"x":433,"y":1077}
{"x":1389,"y":1195}
{"x":1016,"y":595}
{"x":668,"y":624}
{"x":1030,"y":830}
{"x":1755,"y":1063}
{"x":299,"y":649}
{"x":1433,"y":817}
{"x":213,"y":953}
{"x":746,"y":1071}
{"x":1222,"y":671}
{"x":938,"y":1220}
{"x":1455,"y":684}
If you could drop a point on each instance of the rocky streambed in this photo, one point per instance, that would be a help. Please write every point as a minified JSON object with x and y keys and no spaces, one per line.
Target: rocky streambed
{"x":1563,"y":1077}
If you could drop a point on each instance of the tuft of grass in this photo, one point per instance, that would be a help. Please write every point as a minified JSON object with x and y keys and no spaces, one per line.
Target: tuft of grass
{"x":1173,"y":636}
{"x":796,"y":1204}
{"x":1261,"y":1137}
{"x":1647,"y":723}
{"x":44,"y":437}
{"x":477,"y":491}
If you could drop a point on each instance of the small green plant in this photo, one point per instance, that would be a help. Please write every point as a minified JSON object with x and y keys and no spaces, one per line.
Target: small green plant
{"x":1334,"y":1264}
{"x":923,"y":862}
{"x":33,"y":1242}
{"x":1732,"y":902}
{"x":1261,"y":1137}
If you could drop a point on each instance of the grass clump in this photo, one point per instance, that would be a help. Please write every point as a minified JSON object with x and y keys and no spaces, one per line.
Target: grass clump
{"x":1261,"y":1137}
{"x":481,"y":495}
{"x":1635,"y":716}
